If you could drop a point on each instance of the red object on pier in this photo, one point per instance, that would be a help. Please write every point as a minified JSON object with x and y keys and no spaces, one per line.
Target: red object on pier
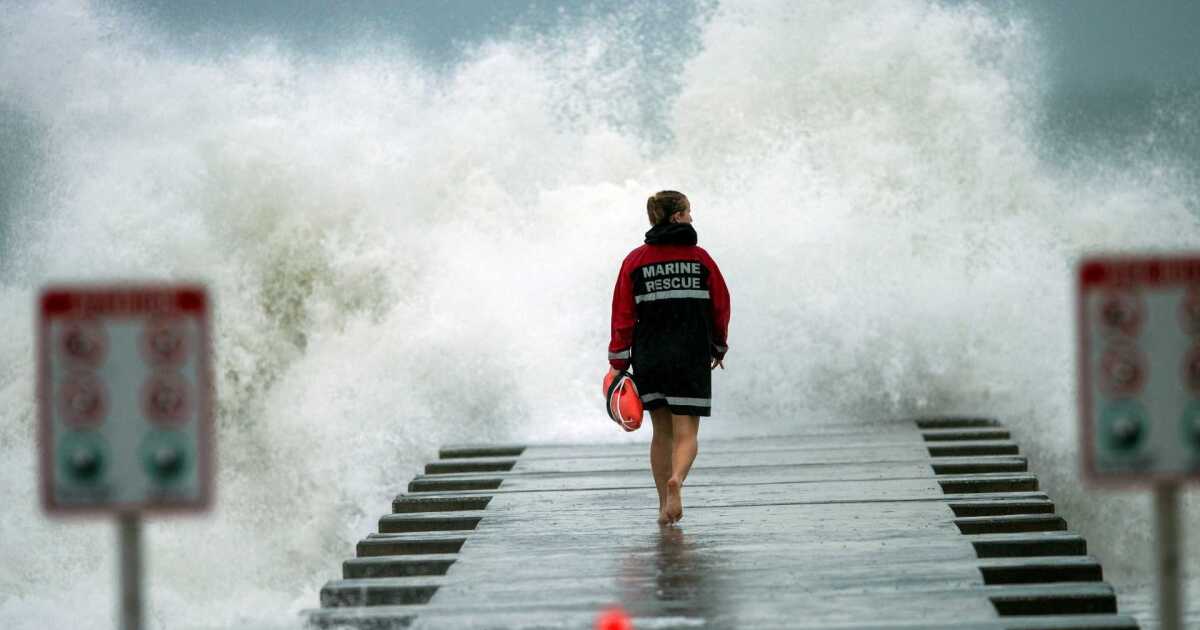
{"x":623,"y":402}
{"x":614,"y":619}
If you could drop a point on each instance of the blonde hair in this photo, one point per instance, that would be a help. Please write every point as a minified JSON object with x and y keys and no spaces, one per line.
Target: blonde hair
{"x":663,"y":205}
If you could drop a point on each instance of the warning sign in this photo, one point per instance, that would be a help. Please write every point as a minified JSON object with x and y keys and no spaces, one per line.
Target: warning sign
{"x":1139,"y":368}
{"x":125,"y":398}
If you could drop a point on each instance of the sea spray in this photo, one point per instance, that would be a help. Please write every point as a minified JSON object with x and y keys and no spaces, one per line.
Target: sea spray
{"x":404,"y":256}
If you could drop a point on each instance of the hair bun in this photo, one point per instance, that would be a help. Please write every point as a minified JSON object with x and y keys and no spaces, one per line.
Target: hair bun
{"x":662,"y":205}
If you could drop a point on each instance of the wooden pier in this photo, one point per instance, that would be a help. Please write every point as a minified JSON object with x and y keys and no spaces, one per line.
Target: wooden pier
{"x":933,"y":524}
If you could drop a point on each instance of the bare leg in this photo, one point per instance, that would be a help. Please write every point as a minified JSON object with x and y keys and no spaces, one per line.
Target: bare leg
{"x":684,"y":430}
{"x":661,"y":446}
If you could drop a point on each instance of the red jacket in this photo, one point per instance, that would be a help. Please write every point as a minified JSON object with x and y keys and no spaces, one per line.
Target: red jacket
{"x":670,"y":304}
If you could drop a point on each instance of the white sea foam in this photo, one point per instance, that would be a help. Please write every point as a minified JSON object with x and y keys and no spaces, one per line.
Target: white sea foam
{"x":404,"y":257}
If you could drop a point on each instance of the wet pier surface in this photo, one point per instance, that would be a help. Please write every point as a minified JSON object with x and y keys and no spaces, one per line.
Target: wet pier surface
{"x":918,"y":524}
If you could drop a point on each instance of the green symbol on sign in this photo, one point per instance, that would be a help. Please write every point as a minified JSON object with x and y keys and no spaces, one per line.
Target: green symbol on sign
{"x":1190,"y":423}
{"x":81,"y":457}
{"x":165,"y":456}
{"x":1123,"y":425}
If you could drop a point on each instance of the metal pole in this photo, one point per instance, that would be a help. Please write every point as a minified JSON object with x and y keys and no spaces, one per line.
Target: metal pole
{"x":129,"y":526}
{"x":1170,"y":595}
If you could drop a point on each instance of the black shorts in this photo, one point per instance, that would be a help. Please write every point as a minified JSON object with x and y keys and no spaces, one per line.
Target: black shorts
{"x":685,"y":390}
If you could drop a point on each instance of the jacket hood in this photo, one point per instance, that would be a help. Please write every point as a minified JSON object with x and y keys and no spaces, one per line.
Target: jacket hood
{"x":671,"y":234}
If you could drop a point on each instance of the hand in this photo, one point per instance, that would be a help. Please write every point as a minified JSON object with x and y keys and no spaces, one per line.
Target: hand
{"x":718,"y":362}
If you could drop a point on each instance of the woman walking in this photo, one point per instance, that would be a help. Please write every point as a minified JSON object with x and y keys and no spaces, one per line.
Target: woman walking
{"x":670,"y":318}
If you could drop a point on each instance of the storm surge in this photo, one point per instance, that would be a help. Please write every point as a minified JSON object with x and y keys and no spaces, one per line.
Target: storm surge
{"x":405,"y":254}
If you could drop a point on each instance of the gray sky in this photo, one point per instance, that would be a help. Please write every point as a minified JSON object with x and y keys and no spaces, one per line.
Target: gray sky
{"x":1098,"y":42}
{"x":1091,"y":42}
{"x":433,"y":28}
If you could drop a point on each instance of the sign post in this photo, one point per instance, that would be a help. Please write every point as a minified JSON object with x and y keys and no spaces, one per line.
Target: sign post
{"x":1139,"y":390}
{"x":1170,"y":578}
{"x":129,"y":531}
{"x":125,"y":410}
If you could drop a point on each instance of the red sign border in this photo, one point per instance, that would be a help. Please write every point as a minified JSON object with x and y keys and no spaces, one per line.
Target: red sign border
{"x":1091,"y":271}
{"x":189,"y":298}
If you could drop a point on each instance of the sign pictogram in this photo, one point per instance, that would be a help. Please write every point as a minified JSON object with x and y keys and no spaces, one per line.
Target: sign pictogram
{"x":83,"y":342}
{"x":165,"y":398}
{"x":82,"y":457}
{"x":1121,"y":312}
{"x":82,"y":399}
{"x":1123,"y":425}
{"x":165,"y":340}
{"x":1189,"y":310}
{"x":1191,"y":369}
{"x":1189,"y":424}
{"x":1122,"y":370}
{"x":125,"y":398}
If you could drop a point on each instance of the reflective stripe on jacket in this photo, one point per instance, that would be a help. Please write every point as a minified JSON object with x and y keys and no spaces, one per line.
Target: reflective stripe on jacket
{"x":670,"y":304}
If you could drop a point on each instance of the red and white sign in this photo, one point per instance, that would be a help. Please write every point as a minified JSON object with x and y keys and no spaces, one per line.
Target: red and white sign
{"x":1139,"y":368}
{"x":125,"y":398}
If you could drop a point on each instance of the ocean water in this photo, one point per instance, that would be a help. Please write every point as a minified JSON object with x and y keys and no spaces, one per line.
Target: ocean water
{"x":409,"y":248}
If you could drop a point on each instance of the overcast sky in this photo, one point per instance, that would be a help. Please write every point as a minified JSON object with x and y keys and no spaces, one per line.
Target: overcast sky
{"x":1103,"y":41}
{"x":1090,"y":42}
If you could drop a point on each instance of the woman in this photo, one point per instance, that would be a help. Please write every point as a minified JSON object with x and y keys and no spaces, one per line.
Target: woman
{"x":670,"y":316}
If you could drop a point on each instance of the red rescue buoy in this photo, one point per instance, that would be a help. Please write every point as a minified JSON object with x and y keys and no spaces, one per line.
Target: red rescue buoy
{"x":623,"y":402}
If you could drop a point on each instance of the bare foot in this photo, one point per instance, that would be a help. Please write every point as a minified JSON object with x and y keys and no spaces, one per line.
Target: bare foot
{"x":662,"y":517}
{"x":674,"y":508}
